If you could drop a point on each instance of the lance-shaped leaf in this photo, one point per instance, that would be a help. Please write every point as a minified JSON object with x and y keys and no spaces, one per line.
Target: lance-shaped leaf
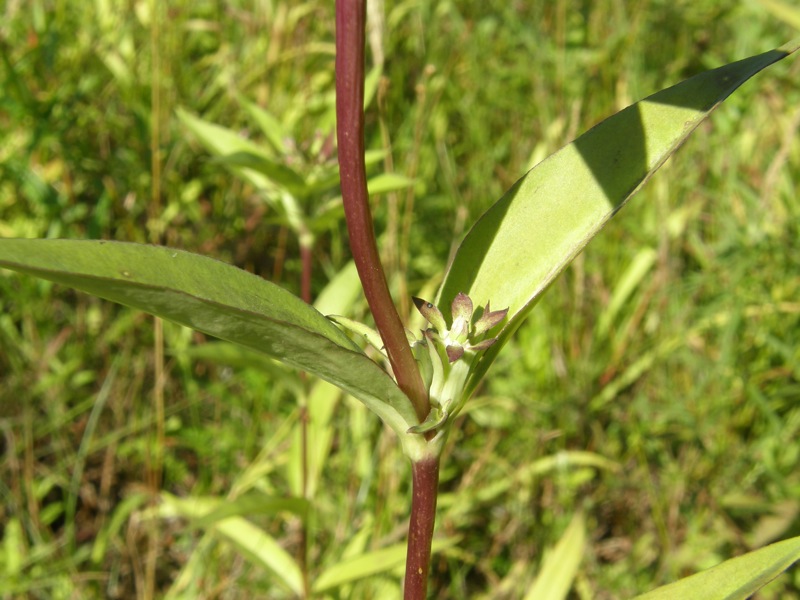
{"x":735,"y":579}
{"x":523,"y":242}
{"x":270,"y":125}
{"x":277,"y":173}
{"x":221,"y":141}
{"x":218,"y":299}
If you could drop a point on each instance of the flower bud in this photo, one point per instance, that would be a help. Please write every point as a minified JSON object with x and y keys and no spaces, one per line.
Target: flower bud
{"x":454,"y":353}
{"x":462,"y":315}
{"x":432,"y":314}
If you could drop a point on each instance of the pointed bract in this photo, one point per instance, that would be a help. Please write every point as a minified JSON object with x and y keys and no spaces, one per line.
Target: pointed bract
{"x":489,"y":319}
{"x":483,"y":345}
{"x":432,"y":314}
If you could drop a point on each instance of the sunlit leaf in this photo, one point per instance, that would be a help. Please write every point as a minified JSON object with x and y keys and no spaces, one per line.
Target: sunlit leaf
{"x":522,"y":243}
{"x":388,"y":182}
{"x":341,"y":293}
{"x":636,"y":271}
{"x":279,"y":174}
{"x":561,"y":564}
{"x":735,"y":579}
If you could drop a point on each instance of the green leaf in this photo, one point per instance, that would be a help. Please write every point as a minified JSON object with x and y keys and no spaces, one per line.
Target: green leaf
{"x":248,"y":505}
{"x":735,"y":579}
{"x":388,"y":182}
{"x":561,"y":564}
{"x":219,"y":300}
{"x":341,"y":293}
{"x":280,"y":175}
{"x":312,"y":440}
{"x":523,"y":242}
{"x":372,"y":337}
{"x":221,"y":141}
{"x":371,"y":563}
{"x":239,"y":357}
{"x":14,"y":548}
{"x":636,"y":271}
{"x":270,"y":126}
{"x":248,"y":539}
{"x":490,"y":491}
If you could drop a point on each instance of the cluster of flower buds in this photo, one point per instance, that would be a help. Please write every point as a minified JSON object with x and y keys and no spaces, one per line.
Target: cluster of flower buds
{"x":446,"y":355}
{"x":462,"y":336}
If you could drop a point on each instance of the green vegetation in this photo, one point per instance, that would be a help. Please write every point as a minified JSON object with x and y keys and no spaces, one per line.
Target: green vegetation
{"x":655,"y":386}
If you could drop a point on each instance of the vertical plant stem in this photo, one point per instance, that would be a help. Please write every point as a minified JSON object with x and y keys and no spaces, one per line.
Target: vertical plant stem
{"x":350,"y":24}
{"x":425,"y":485}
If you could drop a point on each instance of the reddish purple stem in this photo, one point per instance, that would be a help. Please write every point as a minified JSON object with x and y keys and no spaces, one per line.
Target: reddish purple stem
{"x":350,"y":28}
{"x":425,"y":486}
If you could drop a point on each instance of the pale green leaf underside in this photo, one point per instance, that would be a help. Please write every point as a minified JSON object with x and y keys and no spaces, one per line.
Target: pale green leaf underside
{"x":217,"y":299}
{"x":735,"y":579}
{"x":522,"y":243}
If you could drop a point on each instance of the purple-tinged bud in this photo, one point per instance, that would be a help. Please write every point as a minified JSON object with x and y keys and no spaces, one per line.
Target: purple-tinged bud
{"x":454,"y":353}
{"x":489,"y":319}
{"x":462,"y":307}
{"x":462,"y":315}
{"x":432,"y":314}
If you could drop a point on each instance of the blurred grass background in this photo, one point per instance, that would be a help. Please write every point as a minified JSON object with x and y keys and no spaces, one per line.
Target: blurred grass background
{"x":669,"y":350}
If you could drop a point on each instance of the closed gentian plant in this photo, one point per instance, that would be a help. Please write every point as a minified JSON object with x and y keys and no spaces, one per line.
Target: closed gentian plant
{"x":422,"y":379}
